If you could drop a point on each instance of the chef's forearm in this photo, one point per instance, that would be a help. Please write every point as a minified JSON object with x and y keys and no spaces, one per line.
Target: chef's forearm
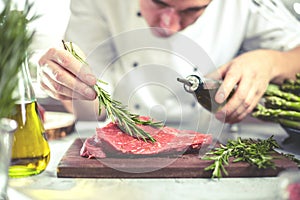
{"x":287,"y":66}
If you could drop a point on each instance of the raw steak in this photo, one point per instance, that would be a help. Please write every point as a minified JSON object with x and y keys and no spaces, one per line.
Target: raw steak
{"x":111,"y":141}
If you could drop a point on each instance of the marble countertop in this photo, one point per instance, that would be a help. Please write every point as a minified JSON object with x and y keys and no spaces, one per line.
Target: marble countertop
{"x":47,"y":186}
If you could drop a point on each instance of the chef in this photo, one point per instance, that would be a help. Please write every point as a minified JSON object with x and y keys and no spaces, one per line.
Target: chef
{"x":140,"y":46}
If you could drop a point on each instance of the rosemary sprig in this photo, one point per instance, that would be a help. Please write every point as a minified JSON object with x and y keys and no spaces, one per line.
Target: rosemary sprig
{"x":255,"y":152}
{"x":121,"y":116}
{"x":73,"y":52}
{"x":117,"y":112}
{"x":292,"y":158}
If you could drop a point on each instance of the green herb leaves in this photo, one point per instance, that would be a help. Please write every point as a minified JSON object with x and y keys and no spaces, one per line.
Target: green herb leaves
{"x":117,"y":112}
{"x":15,"y":41}
{"x":123,"y":118}
{"x":255,"y":152}
{"x":73,"y":52}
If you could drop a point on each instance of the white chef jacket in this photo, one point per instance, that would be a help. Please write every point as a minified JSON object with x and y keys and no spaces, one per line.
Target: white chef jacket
{"x":123,"y":52}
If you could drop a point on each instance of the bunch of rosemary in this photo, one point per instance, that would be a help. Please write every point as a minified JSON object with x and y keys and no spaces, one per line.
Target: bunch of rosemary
{"x":256,"y":152}
{"x":117,"y":112}
{"x":15,"y":41}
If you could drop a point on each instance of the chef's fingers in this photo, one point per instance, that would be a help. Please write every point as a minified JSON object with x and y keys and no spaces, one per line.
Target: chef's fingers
{"x":246,"y":97}
{"x":245,"y":104}
{"x":221,"y":72}
{"x":58,"y":96}
{"x":215,"y":75}
{"x":53,"y":94}
{"x":254,"y":97}
{"x":240,"y":113}
{"x":63,"y":83}
{"x":66,"y":60}
{"x":239,"y":100}
{"x":229,"y":83}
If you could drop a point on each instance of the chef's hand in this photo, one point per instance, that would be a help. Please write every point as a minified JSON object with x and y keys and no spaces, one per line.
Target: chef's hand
{"x":64,"y":77}
{"x":251,"y":72}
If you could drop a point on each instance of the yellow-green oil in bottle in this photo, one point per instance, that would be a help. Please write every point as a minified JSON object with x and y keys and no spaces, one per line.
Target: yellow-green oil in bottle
{"x":30,"y":150}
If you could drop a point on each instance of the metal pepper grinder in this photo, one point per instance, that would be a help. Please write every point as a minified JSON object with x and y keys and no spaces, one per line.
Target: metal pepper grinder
{"x":204,"y":90}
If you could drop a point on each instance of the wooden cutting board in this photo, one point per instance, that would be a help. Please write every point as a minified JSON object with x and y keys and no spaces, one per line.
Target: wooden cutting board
{"x":72,"y":165}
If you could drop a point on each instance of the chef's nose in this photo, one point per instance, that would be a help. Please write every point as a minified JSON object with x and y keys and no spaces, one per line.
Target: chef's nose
{"x":170,"y":20}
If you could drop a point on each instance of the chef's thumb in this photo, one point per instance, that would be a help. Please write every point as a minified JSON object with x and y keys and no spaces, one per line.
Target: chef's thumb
{"x":85,"y":73}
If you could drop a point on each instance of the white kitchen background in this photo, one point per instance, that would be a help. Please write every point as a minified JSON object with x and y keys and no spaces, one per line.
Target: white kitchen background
{"x":49,"y":30}
{"x":51,"y":25}
{"x":54,"y":16}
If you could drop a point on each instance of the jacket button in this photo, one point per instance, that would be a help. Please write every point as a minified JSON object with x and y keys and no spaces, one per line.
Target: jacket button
{"x":139,"y":14}
{"x":137,"y":106}
{"x":193,"y":104}
{"x":135,"y":64}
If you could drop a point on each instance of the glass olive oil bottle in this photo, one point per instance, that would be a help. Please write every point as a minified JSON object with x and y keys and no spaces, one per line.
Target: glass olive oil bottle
{"x":205,"y":91}
{"x":30,"y":150}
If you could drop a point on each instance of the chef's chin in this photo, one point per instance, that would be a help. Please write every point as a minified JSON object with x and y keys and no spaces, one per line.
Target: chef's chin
{"x":163,"y":33}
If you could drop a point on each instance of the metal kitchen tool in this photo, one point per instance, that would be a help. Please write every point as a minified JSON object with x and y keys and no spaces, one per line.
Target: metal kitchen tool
{"x":204,"y":90}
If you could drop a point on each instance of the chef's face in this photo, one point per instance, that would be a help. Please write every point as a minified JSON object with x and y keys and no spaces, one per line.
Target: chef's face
{"x":171,"y":16}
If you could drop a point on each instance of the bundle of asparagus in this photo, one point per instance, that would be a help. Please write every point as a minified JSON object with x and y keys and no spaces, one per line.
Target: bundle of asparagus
{"x":281,"y":104}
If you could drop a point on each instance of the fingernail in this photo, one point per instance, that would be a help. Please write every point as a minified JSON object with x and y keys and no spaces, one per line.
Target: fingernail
{"x":220,"y":97}
{"x":90,"y":93}
{"x":220,"y":115}
{"x":59,"y":60}
{"x":90,"y":79}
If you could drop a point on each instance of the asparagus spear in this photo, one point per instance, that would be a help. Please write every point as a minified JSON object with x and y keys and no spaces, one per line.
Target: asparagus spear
{"x":282,"y":104}
{"x":289,"y":123}
{"x":292,"y":88}
{"x":274,"y":90}
{"x":279,"y":103}
{"x":270,"y":114}
{"x":292,"y":82}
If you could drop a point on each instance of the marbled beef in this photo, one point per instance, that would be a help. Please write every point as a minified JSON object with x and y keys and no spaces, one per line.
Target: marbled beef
{"x":110,"y":141}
